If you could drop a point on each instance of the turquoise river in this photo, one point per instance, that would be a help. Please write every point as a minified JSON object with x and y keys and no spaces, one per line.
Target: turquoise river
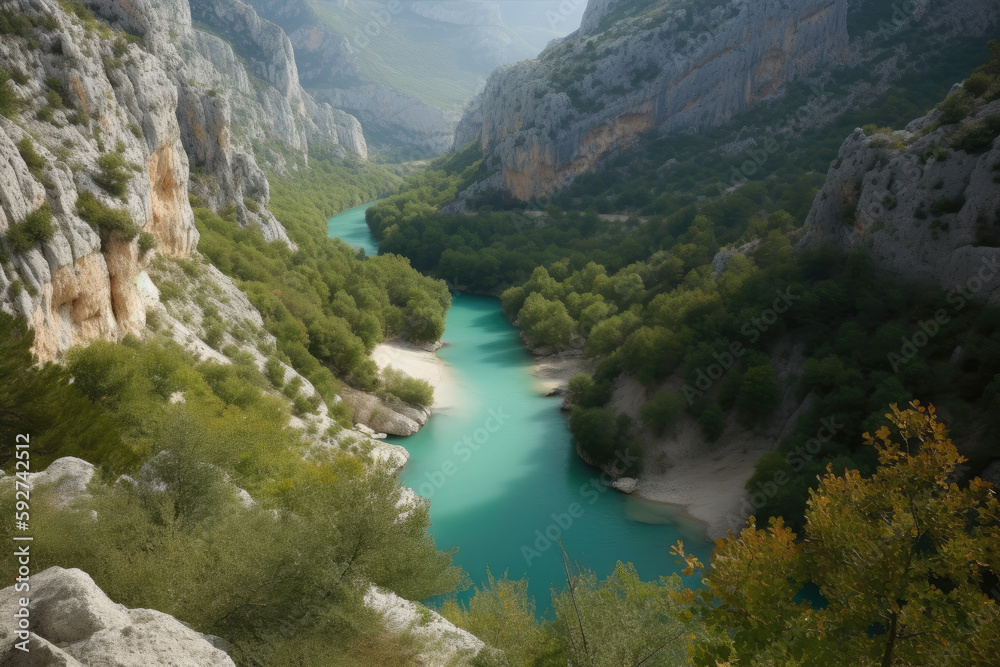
{"x":500,"y":471}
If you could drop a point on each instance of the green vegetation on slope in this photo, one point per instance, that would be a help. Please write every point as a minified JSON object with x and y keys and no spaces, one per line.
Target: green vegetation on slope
{"x":281,"y":579}
{"x":642,"y":295}
{"x":654,"y":198}
{"x":327,"y":304}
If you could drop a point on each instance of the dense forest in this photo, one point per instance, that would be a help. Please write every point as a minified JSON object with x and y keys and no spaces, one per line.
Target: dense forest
{"x":640,"y":291}
{"x":627,"y":275}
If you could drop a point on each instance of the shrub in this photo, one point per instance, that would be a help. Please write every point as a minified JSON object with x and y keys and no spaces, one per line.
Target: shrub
{"x":114,"y":174}
{"x":15,"y":289}
{"x":15,"y":23}
{"x":56,"y":86}
{"x":54,"y":99}
{"x":169,"y":290}
{"x":712,"y":422}
{"x":977,"y":137}
{"x":34,"y":161}
{"x":44,"y":114}
{"x":36,"y":228}
{"x":872,"y":128}
{"x":978,"y":84}
{"x":106,"y":219}
{"x":274,"y":371}
{"x":760,"y":393}
{"x":407,"y":389}
{"x":214,"y":331}
{"x":146,"y":242}
{"x":120,"y":47}
{"x":251,"y":205}
{"x":948,"y":205}
{"x":955,"y":108}
{"x":662,"y":410}
{"x":10,"y":104}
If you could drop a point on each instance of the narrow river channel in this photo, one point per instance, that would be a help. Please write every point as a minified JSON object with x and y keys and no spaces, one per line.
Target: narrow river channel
{"x":499,"y":468}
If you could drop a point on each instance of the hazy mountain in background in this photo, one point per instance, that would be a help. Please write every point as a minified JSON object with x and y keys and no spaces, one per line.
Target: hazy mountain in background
{"x":407,"y":68}
{"x":540,"y":21}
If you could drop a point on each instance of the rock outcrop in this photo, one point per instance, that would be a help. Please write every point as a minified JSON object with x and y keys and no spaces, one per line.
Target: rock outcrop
{"x":71,"y":477}
{"x":85,"y":98}
{"x":648,"y":69}
{"x":548,"y":120}
{"x":385,"y":416}
{"x":446,"y":644}
{"x":329,"y":56}
{"x":924,"y":202}
{"x":73,"y":623}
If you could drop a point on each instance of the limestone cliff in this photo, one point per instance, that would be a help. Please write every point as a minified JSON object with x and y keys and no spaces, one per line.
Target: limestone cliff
{"x":403,"y":68}
{"x":177,"y":109}
{"x":83,"y":97}
{"x":924,"y":201}
{"x":636,"y":67}
{"x":240,"y":99}
{"x":551,"y":119}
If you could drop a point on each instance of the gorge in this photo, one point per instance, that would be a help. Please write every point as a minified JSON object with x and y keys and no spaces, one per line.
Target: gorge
{"x":499,"y":470}
{"x":382,"y":332}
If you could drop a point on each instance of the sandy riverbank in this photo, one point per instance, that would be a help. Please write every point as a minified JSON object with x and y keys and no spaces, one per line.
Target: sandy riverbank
{"x":553,"y":372}
{"x":706,"y":481}
{"x":420,"y":363}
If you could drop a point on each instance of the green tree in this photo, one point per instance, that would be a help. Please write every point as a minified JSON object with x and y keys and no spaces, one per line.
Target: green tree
{"x":760,"y":392}
{"x":662,"y":410}
{"x":40,"y":401}
{"x":546,"y":322}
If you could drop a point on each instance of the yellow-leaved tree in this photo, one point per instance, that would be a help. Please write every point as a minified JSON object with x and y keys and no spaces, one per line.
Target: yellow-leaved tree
{"x":899,"y":566}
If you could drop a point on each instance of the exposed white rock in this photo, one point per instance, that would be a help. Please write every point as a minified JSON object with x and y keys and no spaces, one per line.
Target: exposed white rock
{"x":445,"y":642}
{"x":626,"y":484}
{"x":70,"y":475}
{"x":74,"y":623}
{"x":889,"y":197}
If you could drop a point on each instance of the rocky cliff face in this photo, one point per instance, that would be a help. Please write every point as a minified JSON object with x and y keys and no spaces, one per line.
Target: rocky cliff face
{"x":670,"y":67}
{"x":84,"y":97}
{"x":178,"y":110}
{"x":231,"y":113}
{"x":924,"y":201}
{"x":548,"y":120}
{"x":329,"y":54}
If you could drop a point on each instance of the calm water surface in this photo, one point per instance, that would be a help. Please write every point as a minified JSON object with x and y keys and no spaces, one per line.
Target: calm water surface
{"x":500,"y":470}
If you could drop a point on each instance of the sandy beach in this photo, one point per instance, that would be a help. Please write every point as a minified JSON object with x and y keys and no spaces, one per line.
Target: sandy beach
{"x":422,"y":364}
{"x":706,"y":481}
{"x":553,"y":372}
